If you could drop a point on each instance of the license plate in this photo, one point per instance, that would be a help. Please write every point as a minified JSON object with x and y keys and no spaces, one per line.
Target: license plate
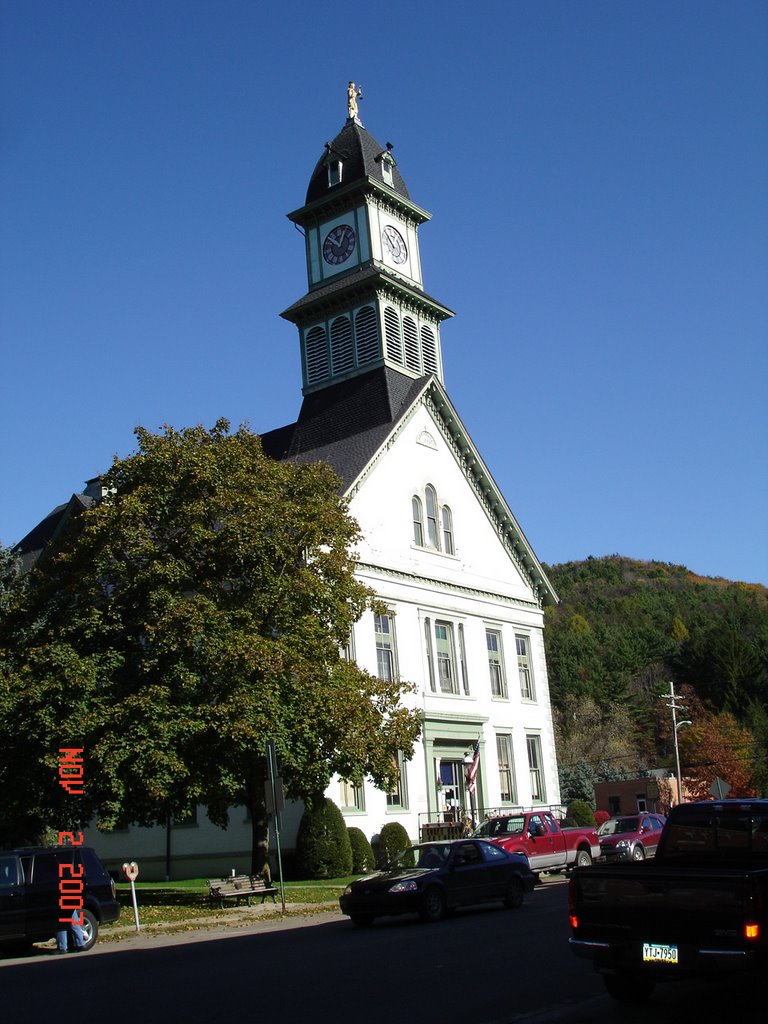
{"x":657,"y":953}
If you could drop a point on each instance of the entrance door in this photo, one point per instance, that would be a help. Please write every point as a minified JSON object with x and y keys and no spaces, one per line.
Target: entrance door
{"x":453,"y":796}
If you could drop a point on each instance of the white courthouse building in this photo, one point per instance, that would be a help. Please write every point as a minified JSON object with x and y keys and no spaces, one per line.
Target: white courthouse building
{"x":441,"y":548}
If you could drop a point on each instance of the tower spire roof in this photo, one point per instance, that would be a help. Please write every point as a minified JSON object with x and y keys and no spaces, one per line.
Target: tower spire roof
{"x":363,"y":158}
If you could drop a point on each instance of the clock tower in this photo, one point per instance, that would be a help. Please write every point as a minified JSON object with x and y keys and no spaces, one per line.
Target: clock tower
{"x":365,"y":307}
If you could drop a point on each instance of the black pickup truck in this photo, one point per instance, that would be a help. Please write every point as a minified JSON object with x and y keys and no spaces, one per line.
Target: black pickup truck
{"x":700,"y":907}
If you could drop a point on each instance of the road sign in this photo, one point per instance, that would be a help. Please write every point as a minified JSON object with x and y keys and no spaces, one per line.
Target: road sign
{"x":719,"y":789}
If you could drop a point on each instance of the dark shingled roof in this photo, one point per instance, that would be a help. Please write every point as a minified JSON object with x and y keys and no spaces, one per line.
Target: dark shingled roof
{"x":361,"y":157}
{"x":345,"y":424}
{"x":362,"y":281}
{"x":37,"y":540}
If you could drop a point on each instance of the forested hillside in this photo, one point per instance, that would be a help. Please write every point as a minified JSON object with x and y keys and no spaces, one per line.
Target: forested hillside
{"x":623,"y":631}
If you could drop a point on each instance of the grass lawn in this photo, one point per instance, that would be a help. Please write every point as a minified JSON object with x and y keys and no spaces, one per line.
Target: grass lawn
{"x":175,"y":905}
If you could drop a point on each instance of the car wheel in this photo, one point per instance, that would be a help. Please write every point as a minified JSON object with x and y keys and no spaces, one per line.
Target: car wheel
{"x":638,"y":853}
{"x":90,"y":926}
{"x":362,"y":920}
{"x":432,"y":905}
{"x":626,"y":987}
{"x":583,"y":859}
{"x":515,"y":894}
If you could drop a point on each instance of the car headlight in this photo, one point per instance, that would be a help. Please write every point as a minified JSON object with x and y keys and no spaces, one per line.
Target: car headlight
{"x":409,"y":886}
{"x":622,"y":844}
{"x":347,"y":891}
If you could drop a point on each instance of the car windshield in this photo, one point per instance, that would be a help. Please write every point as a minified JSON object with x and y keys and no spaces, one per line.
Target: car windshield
{"x":429,"y":855}
{"x":501,"y":827}
{"x":615,"y":826}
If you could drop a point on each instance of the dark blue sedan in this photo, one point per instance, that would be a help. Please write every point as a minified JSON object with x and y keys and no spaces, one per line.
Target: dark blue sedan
{"x":433,"y":878}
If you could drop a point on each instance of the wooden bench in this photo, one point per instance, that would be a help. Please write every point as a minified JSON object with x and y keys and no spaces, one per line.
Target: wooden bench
{"x":238,"y":887}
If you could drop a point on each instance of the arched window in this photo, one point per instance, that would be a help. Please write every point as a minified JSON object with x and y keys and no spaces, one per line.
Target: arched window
{"x":418,"y":521}
{"x":433,"y":536}
{"x":437,"y":531}
{"x":447,"y":531}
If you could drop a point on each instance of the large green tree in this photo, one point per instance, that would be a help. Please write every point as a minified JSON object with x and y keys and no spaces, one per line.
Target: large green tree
{"x":197,"y":611}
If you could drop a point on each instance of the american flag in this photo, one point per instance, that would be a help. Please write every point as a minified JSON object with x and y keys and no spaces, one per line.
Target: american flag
{"x":472,"y":770}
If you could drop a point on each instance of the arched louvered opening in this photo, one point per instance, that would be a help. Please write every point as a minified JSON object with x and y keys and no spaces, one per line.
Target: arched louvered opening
{"x":342,"y":348}
{"x":411,"y":336}
{"x":316,"y":348}
{"x":393,"y":336}
{"x":429,"y":350}
{"x":366,"y":335}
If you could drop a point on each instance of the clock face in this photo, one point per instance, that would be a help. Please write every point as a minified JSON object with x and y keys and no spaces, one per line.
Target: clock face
{"x":394,"y":244}
{"x":339,"y":244}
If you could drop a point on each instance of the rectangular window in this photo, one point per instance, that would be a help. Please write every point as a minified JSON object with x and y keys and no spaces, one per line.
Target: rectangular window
{"x":347,"y":652}
{"x":430,"y":659}
{"x":352,"y":797}
{"x":397,"y":798}
{"x":386,"y":662}
{"x":446,"y":657}
{"x":496,"y":663}
{"x":334,"y":172}
{"x":506,"y":768}
{"x":524,"y":667}
{"x":463,"y":660}
{"x":538,"y":792}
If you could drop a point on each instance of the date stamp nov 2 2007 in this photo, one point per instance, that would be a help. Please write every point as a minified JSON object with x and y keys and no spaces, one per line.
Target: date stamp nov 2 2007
{"x":71,"y":875}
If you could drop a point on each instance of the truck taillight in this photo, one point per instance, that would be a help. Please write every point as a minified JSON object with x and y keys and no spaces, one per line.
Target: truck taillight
{"x":751,"y":931}
{"x":572,"y":898}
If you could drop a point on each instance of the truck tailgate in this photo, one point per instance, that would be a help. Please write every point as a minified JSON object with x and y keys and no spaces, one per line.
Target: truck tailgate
{"x":647,"y":903}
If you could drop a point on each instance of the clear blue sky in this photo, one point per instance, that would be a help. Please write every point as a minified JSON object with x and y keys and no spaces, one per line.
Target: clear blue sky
{"x":598,"y":178}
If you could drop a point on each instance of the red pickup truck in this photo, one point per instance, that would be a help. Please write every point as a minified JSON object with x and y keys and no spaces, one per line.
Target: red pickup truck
{"x":538,"y":835}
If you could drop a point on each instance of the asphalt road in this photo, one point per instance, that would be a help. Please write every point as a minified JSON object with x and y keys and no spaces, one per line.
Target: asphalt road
{"x":486,"y":966}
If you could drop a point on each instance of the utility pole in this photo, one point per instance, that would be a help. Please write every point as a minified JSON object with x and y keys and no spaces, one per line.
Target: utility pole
{"x":673,"y":702}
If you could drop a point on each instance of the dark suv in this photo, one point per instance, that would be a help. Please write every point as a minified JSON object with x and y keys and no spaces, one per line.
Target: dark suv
{"x":29,"y":894}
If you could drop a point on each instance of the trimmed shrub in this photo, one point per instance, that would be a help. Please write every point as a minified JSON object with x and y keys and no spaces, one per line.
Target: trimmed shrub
{"x":323,"y":849}
{"x":600,"y":817}
{"x":581,"y":813}
{"x":363,"y":859}
{"x":392,"y":839}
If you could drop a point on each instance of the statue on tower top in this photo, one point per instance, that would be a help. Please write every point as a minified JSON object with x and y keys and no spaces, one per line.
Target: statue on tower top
{"x":354,"y":93}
